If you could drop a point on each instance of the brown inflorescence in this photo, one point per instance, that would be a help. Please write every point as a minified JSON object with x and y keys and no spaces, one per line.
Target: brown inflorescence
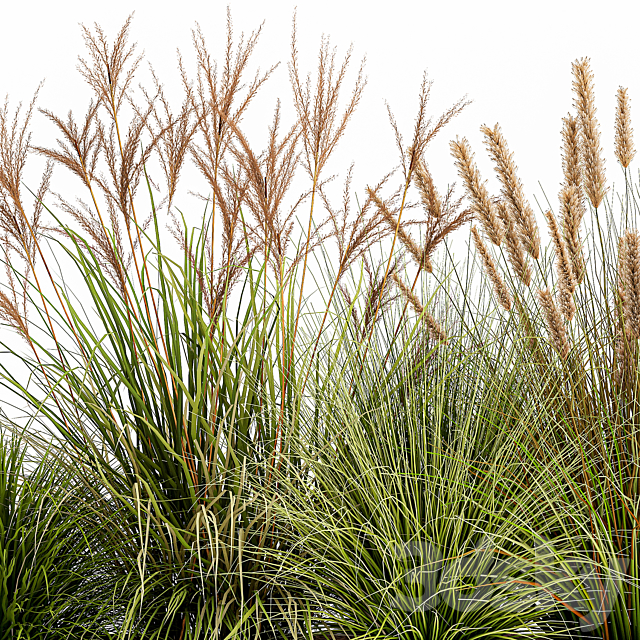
{"x":564,"y":268}
{"x":515,"y":252}
{"x":512,"y":190}
{"x":625,"y":150}
{"x":499,"y":286}
{"x":555,"y":325}
{"x":629,"y":281}
{"x":436,"y":332}
{"x":584,"y":101}
{"x":481,"y":204}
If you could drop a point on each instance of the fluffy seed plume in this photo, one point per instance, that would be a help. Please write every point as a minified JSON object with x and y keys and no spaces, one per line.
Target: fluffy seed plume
{"x":625,"y":357}
{"x":584,"y":102}
{"x":571,"y":152}
{"x":555,"y":325}
{"x":421,"y":259}
{"x":10,"y":313}
{"x":625,"y":150}
{"x":512,"y":189}
{"x":428,"y":193}
{"x":515,"y":252}
{"x":481,"y":204}
{"x":629,"y":281}
{"x":499,"y":286}
{"x":571,"y":212}
{"x":564,"y":268}
{"x":436,"y":332}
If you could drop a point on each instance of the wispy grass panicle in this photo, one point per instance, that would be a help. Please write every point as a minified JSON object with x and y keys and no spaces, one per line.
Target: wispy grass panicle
{"x":515,"y":252}
{"x":221,"y":96}
{"x":564,"y":268}
{"x":499,"y":286}
{"x":399,"y":228}
{"x":14,"y":314}
{"x":481,"y":203}
{"x":110,"y":69}
{"x":220,"y":100}
{"x":625,"y":150}
{"x":555,"y":325}
{"x":173,"y":132}
{"x":436,"y":332}
{"x":431,"y":200}
{"x":512,"y":190}
{"x":354,"y":235}
{"x":629,"y":281}
{"x":20,"y":232}
{"x":268,"y":179}
{"x":584,"y":102}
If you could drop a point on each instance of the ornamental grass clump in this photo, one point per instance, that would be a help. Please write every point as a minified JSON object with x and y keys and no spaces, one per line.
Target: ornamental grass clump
{"x":582,"y":374}
{"x":407,"y":451}
{"x":170,"y":388}
{"x":53,"y":581}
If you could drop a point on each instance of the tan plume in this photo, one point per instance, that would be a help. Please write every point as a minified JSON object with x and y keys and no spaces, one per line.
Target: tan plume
{"x":584,"y":102}
{"x":481,"y":204}
{"x":512,"y":189}
{"x":625,"y":150}
{"x":555,"y":325}
{"x":499,"y":286}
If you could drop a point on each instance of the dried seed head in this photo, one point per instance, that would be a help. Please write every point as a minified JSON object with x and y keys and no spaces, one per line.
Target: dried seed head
{"x":10,"y":313}
{"x":512,"y":189}
{"x":625,"y":150}
{"x":499,"y":286}
{"x":481,"y":203}
{"x":515,"y":252}
{"x":435,"y":330}
{"x":555,"y":325}
{"x":571,"y":152}
{"x":572,"y":211}
{"x":584,"y":102}
{"x":428,"y":193}
{"x":405,"y":238}
{"x":564,"y":269}
{"x":629,"y":281}
{"x":437,"y":333}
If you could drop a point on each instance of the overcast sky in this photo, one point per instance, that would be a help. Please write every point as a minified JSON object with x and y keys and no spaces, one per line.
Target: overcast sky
{"x":513,"y":59}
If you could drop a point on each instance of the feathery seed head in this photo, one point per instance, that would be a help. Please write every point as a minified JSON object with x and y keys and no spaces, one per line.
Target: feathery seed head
{"x":572,"y":212}
{"x":584,"y":102}
{"x":629,"y":281}
{"x":435,"y":330}
{"x":564,"y":268}
{"x":512,"y":189}
{"x":571,"y":152}
{"x":555,"y":325}
{"x":481,"y":204}
{"x":625,"y":150}
{"x":428,"y":193}
{"x":499,"y":286}
{"x":515,"y":252}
